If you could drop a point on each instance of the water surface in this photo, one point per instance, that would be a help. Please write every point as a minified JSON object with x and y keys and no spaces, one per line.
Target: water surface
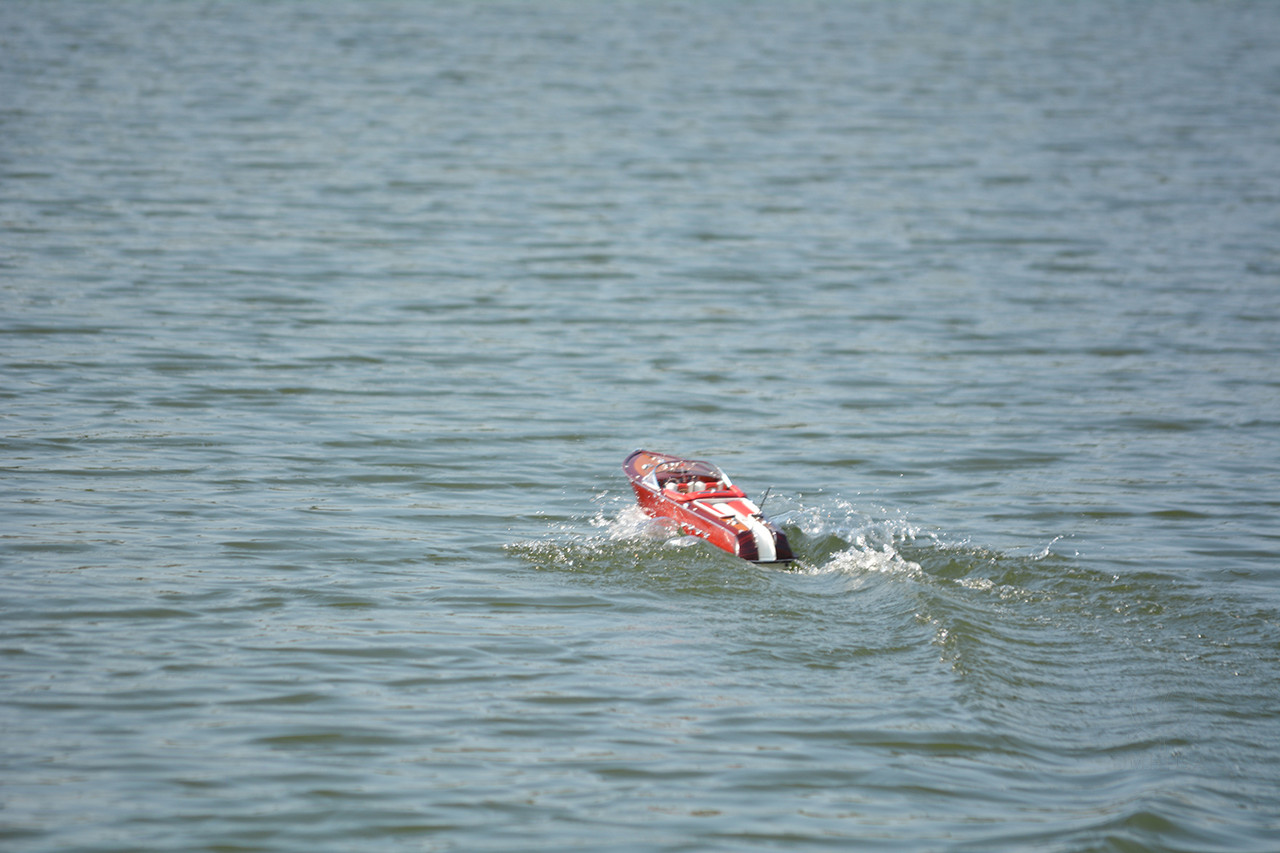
{"x":327,"y":326}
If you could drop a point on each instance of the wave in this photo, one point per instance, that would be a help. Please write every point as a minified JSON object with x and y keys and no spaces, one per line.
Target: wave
{"x":1120,"y":695}
{"x":832,"y":537}
{"x":1035,"y":616}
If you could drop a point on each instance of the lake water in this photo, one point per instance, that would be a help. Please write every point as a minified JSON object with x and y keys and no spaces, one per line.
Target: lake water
{"x":327,"y":327}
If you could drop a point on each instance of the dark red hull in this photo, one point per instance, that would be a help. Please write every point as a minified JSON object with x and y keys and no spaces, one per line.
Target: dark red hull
{"x":704,"y":503}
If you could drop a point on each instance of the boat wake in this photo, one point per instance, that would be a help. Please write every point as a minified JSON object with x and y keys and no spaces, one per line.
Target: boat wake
{"x":997,"y":620}
{"x":829,"y":538}
{"x":1037,"y":657}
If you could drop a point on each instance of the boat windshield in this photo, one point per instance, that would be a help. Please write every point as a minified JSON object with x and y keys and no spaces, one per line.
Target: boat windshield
{"x":691,"y":475}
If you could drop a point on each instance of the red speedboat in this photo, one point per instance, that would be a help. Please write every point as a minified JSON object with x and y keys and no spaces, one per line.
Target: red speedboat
{"x":700,"y":499}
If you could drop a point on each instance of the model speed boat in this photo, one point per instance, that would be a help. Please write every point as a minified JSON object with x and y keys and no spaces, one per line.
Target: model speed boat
{"x":703,"y":502}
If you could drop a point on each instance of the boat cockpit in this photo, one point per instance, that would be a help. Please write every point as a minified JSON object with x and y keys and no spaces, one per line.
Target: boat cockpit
{"x":687,"y":479}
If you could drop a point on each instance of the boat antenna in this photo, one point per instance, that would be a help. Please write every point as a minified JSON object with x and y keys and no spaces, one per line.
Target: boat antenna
{"x":764,"y":498}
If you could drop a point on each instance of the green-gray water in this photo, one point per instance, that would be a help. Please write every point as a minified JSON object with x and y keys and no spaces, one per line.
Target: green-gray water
{"x":327,"y":326}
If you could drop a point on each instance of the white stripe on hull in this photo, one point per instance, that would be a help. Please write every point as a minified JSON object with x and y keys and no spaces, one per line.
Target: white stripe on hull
{"x":766,"y":549}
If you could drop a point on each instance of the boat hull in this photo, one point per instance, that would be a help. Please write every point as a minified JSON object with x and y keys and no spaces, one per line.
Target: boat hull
{"x":702,"y":501}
